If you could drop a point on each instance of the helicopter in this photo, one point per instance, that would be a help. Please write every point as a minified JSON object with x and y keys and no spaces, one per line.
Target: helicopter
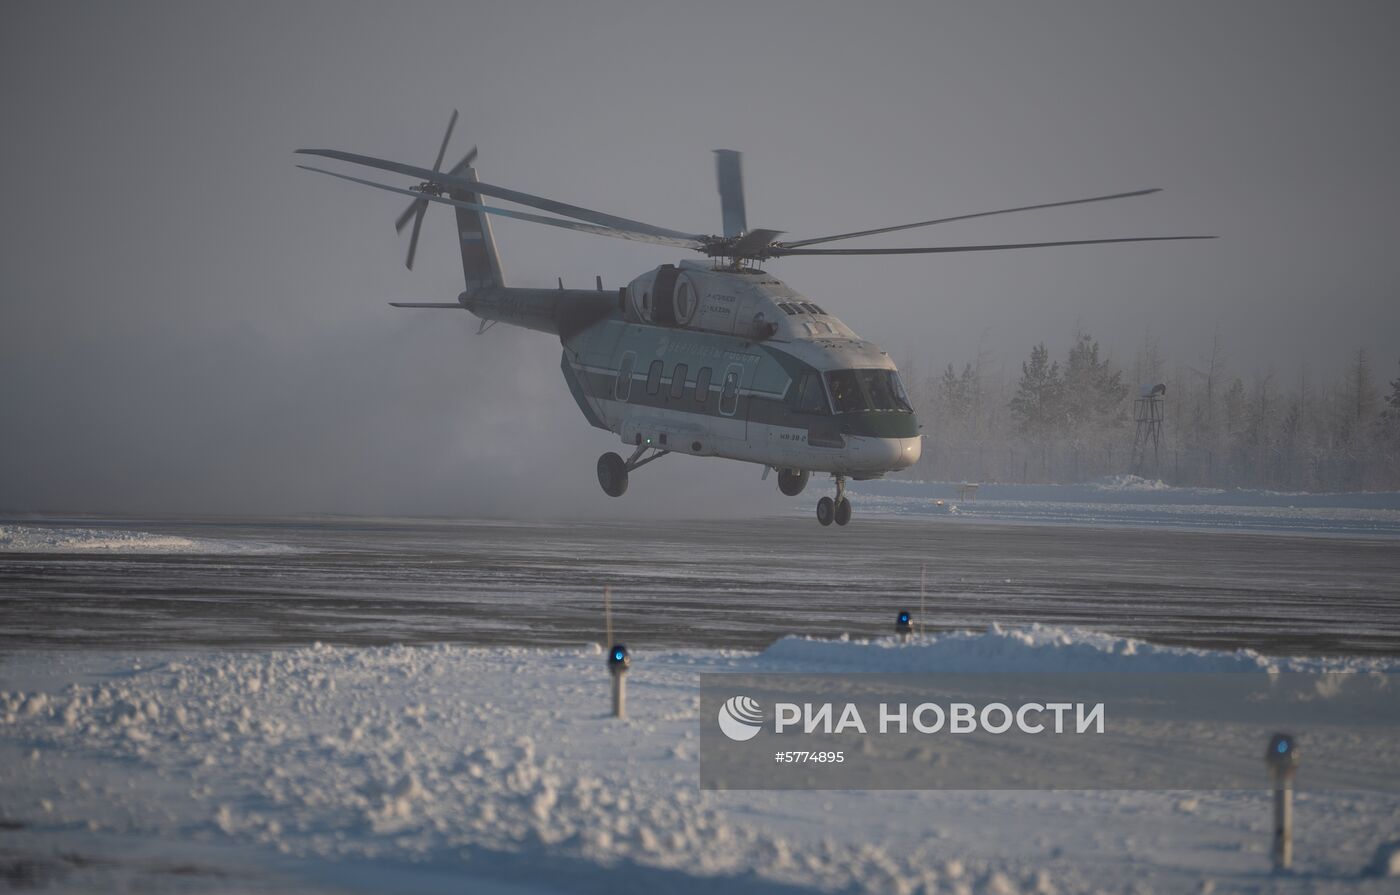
{"x":712,"y":358}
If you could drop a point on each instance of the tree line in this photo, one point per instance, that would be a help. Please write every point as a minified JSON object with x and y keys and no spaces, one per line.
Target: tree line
{"x":1076,"y":418}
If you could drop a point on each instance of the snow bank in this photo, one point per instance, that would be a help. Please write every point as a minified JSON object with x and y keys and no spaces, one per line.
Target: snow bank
{"x":1033,"y":649}
{"x":1129,"y":483}
{"x":31,"y":539}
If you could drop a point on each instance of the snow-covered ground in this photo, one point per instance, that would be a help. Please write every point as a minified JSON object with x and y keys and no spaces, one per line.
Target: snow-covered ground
{"x":449,"y":768}
{"x":1131,"y":501}
{"x":50,"y":539}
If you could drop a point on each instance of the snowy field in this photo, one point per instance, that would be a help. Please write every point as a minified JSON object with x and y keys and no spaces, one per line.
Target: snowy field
{"x":452,"y":768}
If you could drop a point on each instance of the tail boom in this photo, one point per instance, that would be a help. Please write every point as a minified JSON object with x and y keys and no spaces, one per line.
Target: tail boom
{"x":561,"y":312}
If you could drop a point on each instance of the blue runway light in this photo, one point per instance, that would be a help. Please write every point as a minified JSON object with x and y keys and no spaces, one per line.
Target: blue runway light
{"x":618,"y":659}
{"x":1281,"y":756}
{"x":903,"y":618}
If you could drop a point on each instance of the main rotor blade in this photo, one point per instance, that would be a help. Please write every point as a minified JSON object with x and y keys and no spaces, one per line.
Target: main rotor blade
{"x":966,"y":217}
{"x":687,"y":243}
{"x":466,"y":160}
{"x":413,"y":240}
{"x":730,"y":176}
{"x":500,"y":192}
{"x":407,"y":215}
{"x":442,"y":150}
{"x":779,"y":250}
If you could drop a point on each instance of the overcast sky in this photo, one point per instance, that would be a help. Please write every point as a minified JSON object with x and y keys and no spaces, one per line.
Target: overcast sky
{"x":190,"y":324}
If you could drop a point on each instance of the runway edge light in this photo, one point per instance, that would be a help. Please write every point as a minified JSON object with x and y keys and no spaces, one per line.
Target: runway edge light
{"x":618,"y":662}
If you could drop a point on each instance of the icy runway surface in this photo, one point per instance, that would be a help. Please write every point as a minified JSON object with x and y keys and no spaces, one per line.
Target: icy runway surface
{"x":452,"y":768}
{"x":1132,"y":501}
{"x":739,"y":584}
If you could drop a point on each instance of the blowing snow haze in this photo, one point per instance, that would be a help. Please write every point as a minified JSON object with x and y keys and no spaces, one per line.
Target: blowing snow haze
{"x":190,"y":324}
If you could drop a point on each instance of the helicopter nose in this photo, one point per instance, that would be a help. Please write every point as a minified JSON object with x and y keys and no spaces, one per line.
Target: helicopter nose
{"x":906,"y":451}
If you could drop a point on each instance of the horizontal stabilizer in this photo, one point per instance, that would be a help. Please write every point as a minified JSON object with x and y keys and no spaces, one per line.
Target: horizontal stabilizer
{"x":426,"y":304}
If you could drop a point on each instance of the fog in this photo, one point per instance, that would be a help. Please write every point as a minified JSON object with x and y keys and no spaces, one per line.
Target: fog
{"x":189,"y":324}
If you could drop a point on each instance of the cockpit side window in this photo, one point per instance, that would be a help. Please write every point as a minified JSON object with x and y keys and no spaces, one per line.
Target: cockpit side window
{"x":810,"y":396}
{"x":845,"y":391}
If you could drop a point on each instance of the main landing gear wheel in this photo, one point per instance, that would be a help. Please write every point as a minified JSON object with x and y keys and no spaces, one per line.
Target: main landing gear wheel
{"x":612,"y":474}
{"x":838,"y":510}
{"x":792,"y":481}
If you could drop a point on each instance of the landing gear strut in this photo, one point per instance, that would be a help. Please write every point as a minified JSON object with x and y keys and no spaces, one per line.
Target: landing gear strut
{"x":838,"y":510}
{"x":613,"y":470}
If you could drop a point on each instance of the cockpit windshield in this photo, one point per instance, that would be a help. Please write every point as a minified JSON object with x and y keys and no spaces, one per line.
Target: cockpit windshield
{"x":853,"y":391}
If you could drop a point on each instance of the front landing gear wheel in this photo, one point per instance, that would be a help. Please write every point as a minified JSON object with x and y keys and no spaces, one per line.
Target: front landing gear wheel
{"x":792,"y":481}
{"x":612,"y":474}
{"x":826,"y":509}
{"x":843,"y":511}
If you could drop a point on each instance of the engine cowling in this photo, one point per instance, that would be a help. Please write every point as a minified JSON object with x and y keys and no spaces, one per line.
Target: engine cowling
{"x":688,"y":299}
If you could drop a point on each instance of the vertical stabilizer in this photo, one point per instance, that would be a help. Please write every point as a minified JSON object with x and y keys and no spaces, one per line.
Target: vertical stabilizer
{"x":481,"y":266}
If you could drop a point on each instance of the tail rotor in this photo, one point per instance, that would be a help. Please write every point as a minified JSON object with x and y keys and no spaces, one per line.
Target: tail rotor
{"x":418,"y":207}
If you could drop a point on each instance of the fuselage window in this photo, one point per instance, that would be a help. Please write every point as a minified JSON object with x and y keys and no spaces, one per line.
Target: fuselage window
{"x":810,"y":396}
{"x":678,"y":381}
{"x":622,"y":389}
{"x":729,"y":395}
{"x":654,"y":377}
{"x":702,"y":385}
